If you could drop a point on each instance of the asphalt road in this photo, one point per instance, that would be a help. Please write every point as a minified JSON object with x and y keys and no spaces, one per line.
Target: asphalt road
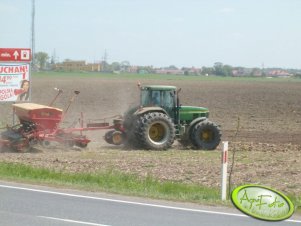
{"x":32,"y":205}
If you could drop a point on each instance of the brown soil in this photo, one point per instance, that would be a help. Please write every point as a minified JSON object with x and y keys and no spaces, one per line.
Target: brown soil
{"x":268,"y":143}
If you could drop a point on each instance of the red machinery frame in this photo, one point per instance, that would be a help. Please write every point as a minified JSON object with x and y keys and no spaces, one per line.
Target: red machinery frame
{"x":41,"y":124}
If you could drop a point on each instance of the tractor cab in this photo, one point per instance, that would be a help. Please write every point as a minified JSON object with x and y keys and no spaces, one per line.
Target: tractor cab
{"x":159,"y":96}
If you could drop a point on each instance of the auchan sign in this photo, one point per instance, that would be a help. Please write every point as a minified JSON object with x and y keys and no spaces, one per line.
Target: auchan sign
{"x":15,"y":55}
{"x":14,"y":82}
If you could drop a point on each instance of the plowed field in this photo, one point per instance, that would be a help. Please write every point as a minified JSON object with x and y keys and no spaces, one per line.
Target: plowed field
{"x":268,"y":143}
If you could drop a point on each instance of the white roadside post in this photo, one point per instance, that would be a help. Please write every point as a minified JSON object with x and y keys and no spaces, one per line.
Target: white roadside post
{"x":224,"y":169}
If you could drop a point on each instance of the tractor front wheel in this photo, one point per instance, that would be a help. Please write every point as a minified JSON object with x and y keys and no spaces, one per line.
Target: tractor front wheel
{"x":206,"y":135}
{"x":156,"y":131}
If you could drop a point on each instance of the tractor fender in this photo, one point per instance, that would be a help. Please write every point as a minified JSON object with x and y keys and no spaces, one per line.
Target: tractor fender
{"x":144,"y":110}
{"x":193,"y":123}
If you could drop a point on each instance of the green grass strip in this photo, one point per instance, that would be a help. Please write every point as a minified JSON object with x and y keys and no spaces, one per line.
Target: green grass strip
{"x":111,"y":181}
{"x":164,"y":77}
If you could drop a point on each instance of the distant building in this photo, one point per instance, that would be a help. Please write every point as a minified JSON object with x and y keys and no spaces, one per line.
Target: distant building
{"x":278,"y":73}
{"x":169,"y":71}
{"x":257,"y":72}
{"x":69,"y":65}
{"x":192,"y":71}
{"x":241,"y":71}
{"x":132,"y":69}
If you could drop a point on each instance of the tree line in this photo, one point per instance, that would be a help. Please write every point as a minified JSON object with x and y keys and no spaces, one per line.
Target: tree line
{"x":42,"y":61}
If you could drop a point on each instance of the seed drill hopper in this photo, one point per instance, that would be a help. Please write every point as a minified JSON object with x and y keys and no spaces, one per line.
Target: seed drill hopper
{"x":41,"y":124}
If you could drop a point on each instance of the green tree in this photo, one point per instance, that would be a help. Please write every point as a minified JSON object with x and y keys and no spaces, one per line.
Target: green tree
{"x":115,"y":66}
{"x":41,"y":59}
{"x":227,"y":70}
{"x":298,"y":75}
{"x":207,"y":70}
{"x":222,"y":70}
{"x":172,"y":67}
{"x":218,"y":68}
{"x":124,"y":65}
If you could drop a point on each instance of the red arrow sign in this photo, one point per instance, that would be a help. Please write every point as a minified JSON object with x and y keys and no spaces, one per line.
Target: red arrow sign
{"x":15,"y":54}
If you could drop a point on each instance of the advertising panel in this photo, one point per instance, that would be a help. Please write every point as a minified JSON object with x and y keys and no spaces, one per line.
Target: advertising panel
{"x":14,"y":82}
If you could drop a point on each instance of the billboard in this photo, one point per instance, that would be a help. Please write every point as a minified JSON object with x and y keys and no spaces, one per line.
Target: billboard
{"x":14,"y":82}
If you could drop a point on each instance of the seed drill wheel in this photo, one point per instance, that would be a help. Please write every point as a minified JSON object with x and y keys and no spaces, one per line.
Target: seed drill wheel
{"x":21,"y":145}
{"x":156,"y":131}
{"x":108,"y":136}
{"x":206,"y":135}
{"x":117,"y":138}
{"x":81,"y":144}
{"x":45,"y":143}
{"x":114,"y":137}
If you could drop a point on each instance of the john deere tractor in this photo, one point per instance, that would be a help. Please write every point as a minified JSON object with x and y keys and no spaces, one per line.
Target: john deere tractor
{"x":159,"y":119}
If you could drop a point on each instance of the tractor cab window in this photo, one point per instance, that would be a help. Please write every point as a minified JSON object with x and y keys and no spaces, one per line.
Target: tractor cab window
{"x":160,"y":98}
{"x":168,"y":99}
{"x":156,"y":98}
{"x":150,"y":97}
{"x":145,"y":97}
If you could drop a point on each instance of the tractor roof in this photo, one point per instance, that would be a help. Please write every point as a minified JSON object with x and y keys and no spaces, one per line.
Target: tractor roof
{"x":158,"y":87}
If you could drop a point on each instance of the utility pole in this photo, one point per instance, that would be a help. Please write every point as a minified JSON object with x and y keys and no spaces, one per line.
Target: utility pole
{"x":53,"y":57}
{"x":104,"y":60}
{"x":33,"y":35}
{"x":262,"y":69}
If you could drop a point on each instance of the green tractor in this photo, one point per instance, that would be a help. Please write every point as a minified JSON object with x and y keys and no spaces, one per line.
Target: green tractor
{"x":160,"y":119}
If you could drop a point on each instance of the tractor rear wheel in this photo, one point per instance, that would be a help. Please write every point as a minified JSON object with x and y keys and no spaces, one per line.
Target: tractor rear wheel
{"x":155,"y":131}
{"x":206,"y":135}
{"x":131,"y":141}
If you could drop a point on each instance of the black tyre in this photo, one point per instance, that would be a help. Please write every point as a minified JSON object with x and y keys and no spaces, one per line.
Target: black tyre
{"x":114,"y":137}
{"x":117,"y":137}
{"x":206,"y":135}
{"x":131,"y":143}
{"x":109,"y":136}
{"x":81,"y":144}
{"x":155,"y":131}
{"x":21,"y":145}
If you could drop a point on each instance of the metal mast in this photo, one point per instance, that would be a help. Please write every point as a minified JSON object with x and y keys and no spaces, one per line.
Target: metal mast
{"x":104,"y":60}
{"x":33,"y":34}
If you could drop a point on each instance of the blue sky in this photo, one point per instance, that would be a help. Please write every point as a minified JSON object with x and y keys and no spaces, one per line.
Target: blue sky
{"x":160,"y":32}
